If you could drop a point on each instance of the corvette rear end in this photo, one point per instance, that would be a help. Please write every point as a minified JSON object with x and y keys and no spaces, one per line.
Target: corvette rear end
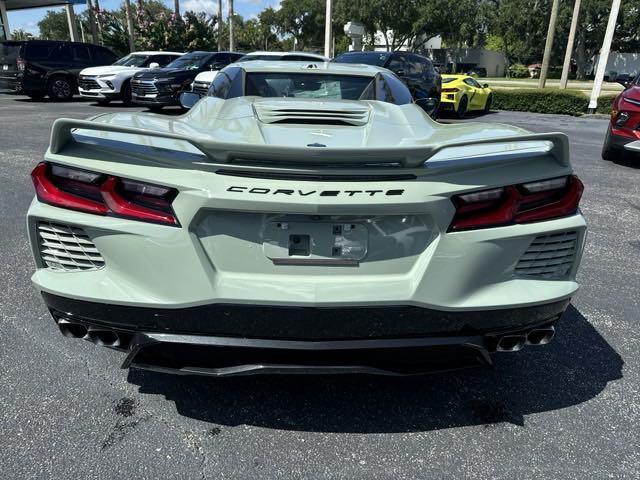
{"x":246,"y":244}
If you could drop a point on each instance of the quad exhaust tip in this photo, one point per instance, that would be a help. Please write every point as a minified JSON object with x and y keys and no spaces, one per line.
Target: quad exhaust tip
{"x":540,"y":336}
{"x":105,"y":338}
{"x":511,"y":343}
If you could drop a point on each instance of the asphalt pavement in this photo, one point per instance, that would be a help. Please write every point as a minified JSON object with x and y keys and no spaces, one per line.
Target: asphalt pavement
{"x":567,"y":410}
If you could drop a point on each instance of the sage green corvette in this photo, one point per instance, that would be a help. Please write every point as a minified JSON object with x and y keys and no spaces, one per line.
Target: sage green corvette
{"x":304,"y":217}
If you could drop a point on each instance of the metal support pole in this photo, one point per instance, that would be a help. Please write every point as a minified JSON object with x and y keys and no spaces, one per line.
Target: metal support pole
{"x":231,"y":42}
{"x":92,"y":23}
{"x":4,"y":20}
{"x":327,"y":29}
{"x":130,"y":30}
{"x":567,"y":55}
{"x":548,"y":44}
{"x":604,"y":56}
{"x":71,"y":20}
{"x":220,"y":23}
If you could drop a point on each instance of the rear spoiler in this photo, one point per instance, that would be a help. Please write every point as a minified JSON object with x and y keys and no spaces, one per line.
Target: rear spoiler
{"x":411,"y":156}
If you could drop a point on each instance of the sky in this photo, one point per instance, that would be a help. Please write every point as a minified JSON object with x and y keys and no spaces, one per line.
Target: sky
{"x":28,"y":19}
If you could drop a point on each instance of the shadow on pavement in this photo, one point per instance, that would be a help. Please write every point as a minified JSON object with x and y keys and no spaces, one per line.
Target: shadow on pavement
{"x":573,"y":369}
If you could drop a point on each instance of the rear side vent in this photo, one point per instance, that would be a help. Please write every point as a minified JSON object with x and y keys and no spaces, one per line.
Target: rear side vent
{"x":355,"y":116}
{"x":549,"y":256}
{"x":67,"y":248}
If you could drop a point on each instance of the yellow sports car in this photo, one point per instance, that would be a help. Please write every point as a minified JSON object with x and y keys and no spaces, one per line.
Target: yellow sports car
{"x":462,"y":93}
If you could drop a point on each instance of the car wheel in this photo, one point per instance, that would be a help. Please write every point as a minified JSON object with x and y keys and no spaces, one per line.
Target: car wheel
{"x":608,"y":151}
{"x":60,"y":88}
{"x":462,"y":107}
{"x":487,"y":105}
{"x":126,"y":94}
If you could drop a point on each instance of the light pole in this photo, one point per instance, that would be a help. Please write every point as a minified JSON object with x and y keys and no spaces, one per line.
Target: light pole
{"x":572,"y":35}
{"x":220,"y":25}
{"x":548,"y":44}
{"x":327,"y":30}
{"x":231,"y":43}
{"x":127,"y":11}
{"x":604,"y":55}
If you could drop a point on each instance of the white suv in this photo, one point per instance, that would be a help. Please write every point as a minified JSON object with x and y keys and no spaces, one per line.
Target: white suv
{"x":112,"y":82}
{"x":203,"y":80}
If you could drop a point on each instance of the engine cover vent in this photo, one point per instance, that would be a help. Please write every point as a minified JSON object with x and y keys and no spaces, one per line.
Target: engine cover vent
{"x":67,"y":248}
{"x":355,"y":116}
{"x":549,"y":256}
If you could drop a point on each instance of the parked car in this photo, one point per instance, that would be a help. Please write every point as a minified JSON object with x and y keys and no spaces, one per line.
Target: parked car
{"x":113,"y":82}
{"x":203,"y":80}
{"x":161,"y":87}
{"x":463,"y":93}
{"x":46,"y":67}
{"x":477,"y":72}
{"x":623,"y":135}
{"x":304,"y":220}
{"x":416,"y":71}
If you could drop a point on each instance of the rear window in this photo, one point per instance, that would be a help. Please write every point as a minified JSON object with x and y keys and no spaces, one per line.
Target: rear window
{"x":306,"y":85}
{"x":377,"y":59}
{"x":447,"y":80}
{"x":9,"y":52}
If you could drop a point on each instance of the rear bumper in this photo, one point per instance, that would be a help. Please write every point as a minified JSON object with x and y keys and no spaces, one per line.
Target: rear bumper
{"x":224,"y":340}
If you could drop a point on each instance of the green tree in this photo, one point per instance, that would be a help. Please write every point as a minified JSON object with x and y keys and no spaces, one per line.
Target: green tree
{"x":54,"y":26}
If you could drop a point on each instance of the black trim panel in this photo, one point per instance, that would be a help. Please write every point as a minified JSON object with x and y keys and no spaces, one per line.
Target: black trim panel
{"x":304,"y":323}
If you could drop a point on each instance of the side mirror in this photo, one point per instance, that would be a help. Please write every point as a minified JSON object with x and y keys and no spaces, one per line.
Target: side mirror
{"x":188,"y":99}
{"x":485,"y":85}
{"x":154,"y":65}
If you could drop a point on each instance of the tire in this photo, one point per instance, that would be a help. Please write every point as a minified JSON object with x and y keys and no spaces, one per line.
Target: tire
{"x":609,"y":152}
{"x":462,"y":107}
{"x":60,"y":88}
{"x":487,"y":105}
{"x":125,"y":93}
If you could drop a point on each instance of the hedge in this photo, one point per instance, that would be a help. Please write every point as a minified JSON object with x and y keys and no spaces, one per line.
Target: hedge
{"x":567,"y":102}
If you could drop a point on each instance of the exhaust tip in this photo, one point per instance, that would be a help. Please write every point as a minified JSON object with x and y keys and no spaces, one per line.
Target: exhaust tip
{"x":540,"y":336}
{"x":72,"y":330}
{"x":105,"y":338}
{"x":511,"y":343}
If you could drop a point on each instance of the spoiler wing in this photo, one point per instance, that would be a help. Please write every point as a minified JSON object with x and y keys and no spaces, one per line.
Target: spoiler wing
{"x":410,"y":156}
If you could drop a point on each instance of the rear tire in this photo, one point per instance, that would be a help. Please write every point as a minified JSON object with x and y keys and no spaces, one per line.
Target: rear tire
{"x":462,"y":107}
{"x":60,"y":88}
{"x":487,"y":105}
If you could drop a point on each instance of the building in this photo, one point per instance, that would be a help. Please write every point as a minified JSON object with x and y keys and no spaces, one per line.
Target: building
{"x":9,"y":5}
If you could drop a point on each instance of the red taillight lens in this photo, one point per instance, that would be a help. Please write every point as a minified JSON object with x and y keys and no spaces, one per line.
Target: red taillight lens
{"x":103,"y":195}
{"x":528,"y":202}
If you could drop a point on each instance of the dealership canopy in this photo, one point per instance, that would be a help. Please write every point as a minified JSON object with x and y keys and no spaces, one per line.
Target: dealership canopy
{"x":9,"y":5}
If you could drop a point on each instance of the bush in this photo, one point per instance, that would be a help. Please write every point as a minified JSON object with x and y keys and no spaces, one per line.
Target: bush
{"x":518,"y":70}
{"x":566,"y":102}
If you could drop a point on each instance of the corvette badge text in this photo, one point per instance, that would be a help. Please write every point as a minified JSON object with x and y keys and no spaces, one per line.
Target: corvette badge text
{"x":321,"y":193}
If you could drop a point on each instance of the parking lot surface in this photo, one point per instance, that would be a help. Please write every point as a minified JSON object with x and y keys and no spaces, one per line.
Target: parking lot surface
{"x":567,"y":410}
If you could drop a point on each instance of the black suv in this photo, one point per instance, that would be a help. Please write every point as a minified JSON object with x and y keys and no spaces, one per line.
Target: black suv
{"x":162,"y":87}
{"x":46,"y":67}
{"x":416,"y":71}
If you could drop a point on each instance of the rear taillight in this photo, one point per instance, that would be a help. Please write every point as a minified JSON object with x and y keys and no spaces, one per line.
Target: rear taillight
{"x":100,"y":194}
{"x":21,"y":64}
{"x":527,"y":202}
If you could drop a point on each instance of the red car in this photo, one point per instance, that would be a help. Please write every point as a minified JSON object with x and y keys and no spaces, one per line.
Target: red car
{"x":624,"y":126}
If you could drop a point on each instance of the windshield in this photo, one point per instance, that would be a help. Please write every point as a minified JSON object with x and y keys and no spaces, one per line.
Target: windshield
{"x":132,"y":61}
{"x":377,"y":59}
{"x":190,"y":61}
{"x":307,"y":85}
